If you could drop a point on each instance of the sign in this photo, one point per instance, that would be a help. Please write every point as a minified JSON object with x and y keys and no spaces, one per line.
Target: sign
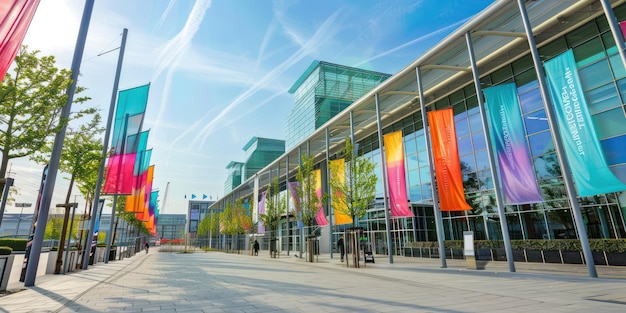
{"x":23,"y":205}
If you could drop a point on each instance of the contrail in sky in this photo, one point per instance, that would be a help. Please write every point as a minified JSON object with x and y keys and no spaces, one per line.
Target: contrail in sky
{"x":324,"y":33}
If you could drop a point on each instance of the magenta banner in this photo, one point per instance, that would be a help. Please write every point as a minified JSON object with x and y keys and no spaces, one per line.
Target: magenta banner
{"x":394,"y":155}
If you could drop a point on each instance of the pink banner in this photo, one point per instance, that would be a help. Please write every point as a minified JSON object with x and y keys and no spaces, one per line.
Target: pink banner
{"x":119,"y":179}
{"x":15,"y":17}
{"x":320,"y":217}
{"x":394,"y":155}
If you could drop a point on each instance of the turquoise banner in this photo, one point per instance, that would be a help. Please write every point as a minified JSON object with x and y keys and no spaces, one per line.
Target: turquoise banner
{"x":582,"y":147}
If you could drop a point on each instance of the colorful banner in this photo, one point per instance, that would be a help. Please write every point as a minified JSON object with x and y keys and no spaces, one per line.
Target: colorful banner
{"x":508,"y":139}
{"x":261,"y":227}
{"x":293,"y":186}
{"x":340,"y":206}
{"x":622,"y":25}
{"x":396,"y":179}
{"x":320,"y":216}
{"x":591,"y":173}
{"x":447,"y":163}
{"x":125,"y":142}
{"x":15,"y":17}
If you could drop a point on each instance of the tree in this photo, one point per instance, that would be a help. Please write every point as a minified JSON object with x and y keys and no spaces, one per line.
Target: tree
{"x":80,"y":157}
{"x":307,"y":182}
{"x":357,"y":187}
{"x":235,"y":220}
{"x":275,"y":207}
{"x":31,"y":100}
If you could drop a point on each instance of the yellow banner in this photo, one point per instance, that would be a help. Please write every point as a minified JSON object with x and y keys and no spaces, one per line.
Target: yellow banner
{"x":340,"y":206}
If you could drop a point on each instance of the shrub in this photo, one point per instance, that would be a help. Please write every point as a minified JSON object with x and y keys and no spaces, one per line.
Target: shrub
{"x":17,"y":244}
{"x":5,"y":250}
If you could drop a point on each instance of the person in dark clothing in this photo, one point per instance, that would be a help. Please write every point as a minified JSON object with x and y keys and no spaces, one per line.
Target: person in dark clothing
{"x":147,"y":246}
{"x":341,"y":247}
{"x":256,"y":247}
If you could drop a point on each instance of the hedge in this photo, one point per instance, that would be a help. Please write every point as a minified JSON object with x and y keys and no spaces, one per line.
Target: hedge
{"x":5,"y":250}
{"x":17,"y":244}
{"x":608,"y":245}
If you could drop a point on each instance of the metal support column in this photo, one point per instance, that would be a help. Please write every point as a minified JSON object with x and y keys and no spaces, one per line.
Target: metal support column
{"x":431,"y":166}
{"x":55,"y":155}
{"x":558,"y":145}
{"x":494,"y":175}
{"x":616,"y":30}
{"x":331,"y":217}
{"x":390,"y":249}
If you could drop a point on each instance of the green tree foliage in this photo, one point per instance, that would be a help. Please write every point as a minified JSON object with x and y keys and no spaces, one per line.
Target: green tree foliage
{"x":80,"y":157}
{"x":309,"y":202}
{"x":275,"y":207}
{"x":32,"y":96}
{"x":235,"y":220}
{"x":209,"y":225}
{"x":358,"y":187}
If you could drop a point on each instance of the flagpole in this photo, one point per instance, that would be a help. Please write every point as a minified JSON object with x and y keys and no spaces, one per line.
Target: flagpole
{"x":55,"y":156}
{"x":105,"y":148}
{"x":558,"y":144}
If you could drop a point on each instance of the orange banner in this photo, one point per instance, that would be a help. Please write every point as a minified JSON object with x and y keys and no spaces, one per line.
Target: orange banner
{"x":339,"y":200}
{"x":447,"y":163}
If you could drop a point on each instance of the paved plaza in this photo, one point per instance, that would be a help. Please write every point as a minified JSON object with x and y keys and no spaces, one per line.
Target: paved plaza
{"x":220,"y":282}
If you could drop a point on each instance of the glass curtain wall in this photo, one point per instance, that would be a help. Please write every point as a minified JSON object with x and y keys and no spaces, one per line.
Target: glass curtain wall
{"x":604,"y":80}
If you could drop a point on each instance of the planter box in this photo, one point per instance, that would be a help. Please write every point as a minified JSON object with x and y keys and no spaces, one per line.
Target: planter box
{"x":425,"y":252}
{"x":457,"y":254}
{"x":599,"y":258}
{"x":416,"y":252}
{"x":572,"y":257}
{"x":407,"y":251}
{"x":616,"y":259}
{"x":552,"y":256}
{"x":483,"y":254}
{"x":519,"y":256}
{"x":6,"y":263}
{"x":499,"y":254}
{"x":434,"y":253}
{"x":534,"y":256}
{"x":448,"y":253}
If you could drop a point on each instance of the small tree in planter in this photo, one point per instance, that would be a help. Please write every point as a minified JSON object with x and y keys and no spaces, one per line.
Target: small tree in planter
{"x":275,"y":207}
{"x":308,"y":201}
{"x":356,"y":185}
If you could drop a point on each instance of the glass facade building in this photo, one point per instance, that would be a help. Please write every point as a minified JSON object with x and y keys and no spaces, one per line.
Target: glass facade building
{"x":321,"y":92}
{"x":233,"y":177}
{"x":503,"y":57}
{"x":171,"y":226}
{"x":260,"y":152}
{"x":197,"y":210}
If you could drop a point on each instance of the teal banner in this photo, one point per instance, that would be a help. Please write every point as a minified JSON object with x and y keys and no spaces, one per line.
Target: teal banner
{"x":591,"y":174}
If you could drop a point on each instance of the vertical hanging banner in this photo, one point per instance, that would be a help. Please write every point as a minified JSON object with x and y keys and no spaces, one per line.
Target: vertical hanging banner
{"x":296,"y":201}
{"x":396,"y":179}
{"x":591,"y":173}
{"x":129,"y":115}
{"x":320,"y":216}
{"x":446,"y":159}
{"x":261,"y":227}
{"x":622,"y":25}
{"x":15,"y":17}
{"x":509,"y":142}
{"x":340,"y":207}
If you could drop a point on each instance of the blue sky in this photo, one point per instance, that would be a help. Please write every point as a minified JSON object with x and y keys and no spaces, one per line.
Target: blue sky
{"x":220,"y":70}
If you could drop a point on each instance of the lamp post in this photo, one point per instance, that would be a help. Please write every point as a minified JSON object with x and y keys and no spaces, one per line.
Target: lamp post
{"x":22,"y":206}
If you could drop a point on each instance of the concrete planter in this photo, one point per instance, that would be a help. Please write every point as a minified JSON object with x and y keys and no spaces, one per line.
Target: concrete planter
{"x":6,"y":263}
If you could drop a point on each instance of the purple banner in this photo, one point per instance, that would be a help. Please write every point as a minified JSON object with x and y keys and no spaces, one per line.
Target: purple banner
{"x":261,"y":227}
{"x":508,"y":139}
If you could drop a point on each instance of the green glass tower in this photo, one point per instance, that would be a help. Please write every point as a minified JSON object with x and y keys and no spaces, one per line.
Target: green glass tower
{"x":321,"y":92}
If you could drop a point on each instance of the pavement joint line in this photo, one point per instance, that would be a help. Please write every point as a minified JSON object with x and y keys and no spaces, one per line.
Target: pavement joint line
{"x":116,"y":275}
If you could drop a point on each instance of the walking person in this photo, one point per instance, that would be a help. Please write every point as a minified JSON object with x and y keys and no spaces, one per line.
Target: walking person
{"x":147,"y":246}
{"x":256,"y":247}
{"x":341,"y":248}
